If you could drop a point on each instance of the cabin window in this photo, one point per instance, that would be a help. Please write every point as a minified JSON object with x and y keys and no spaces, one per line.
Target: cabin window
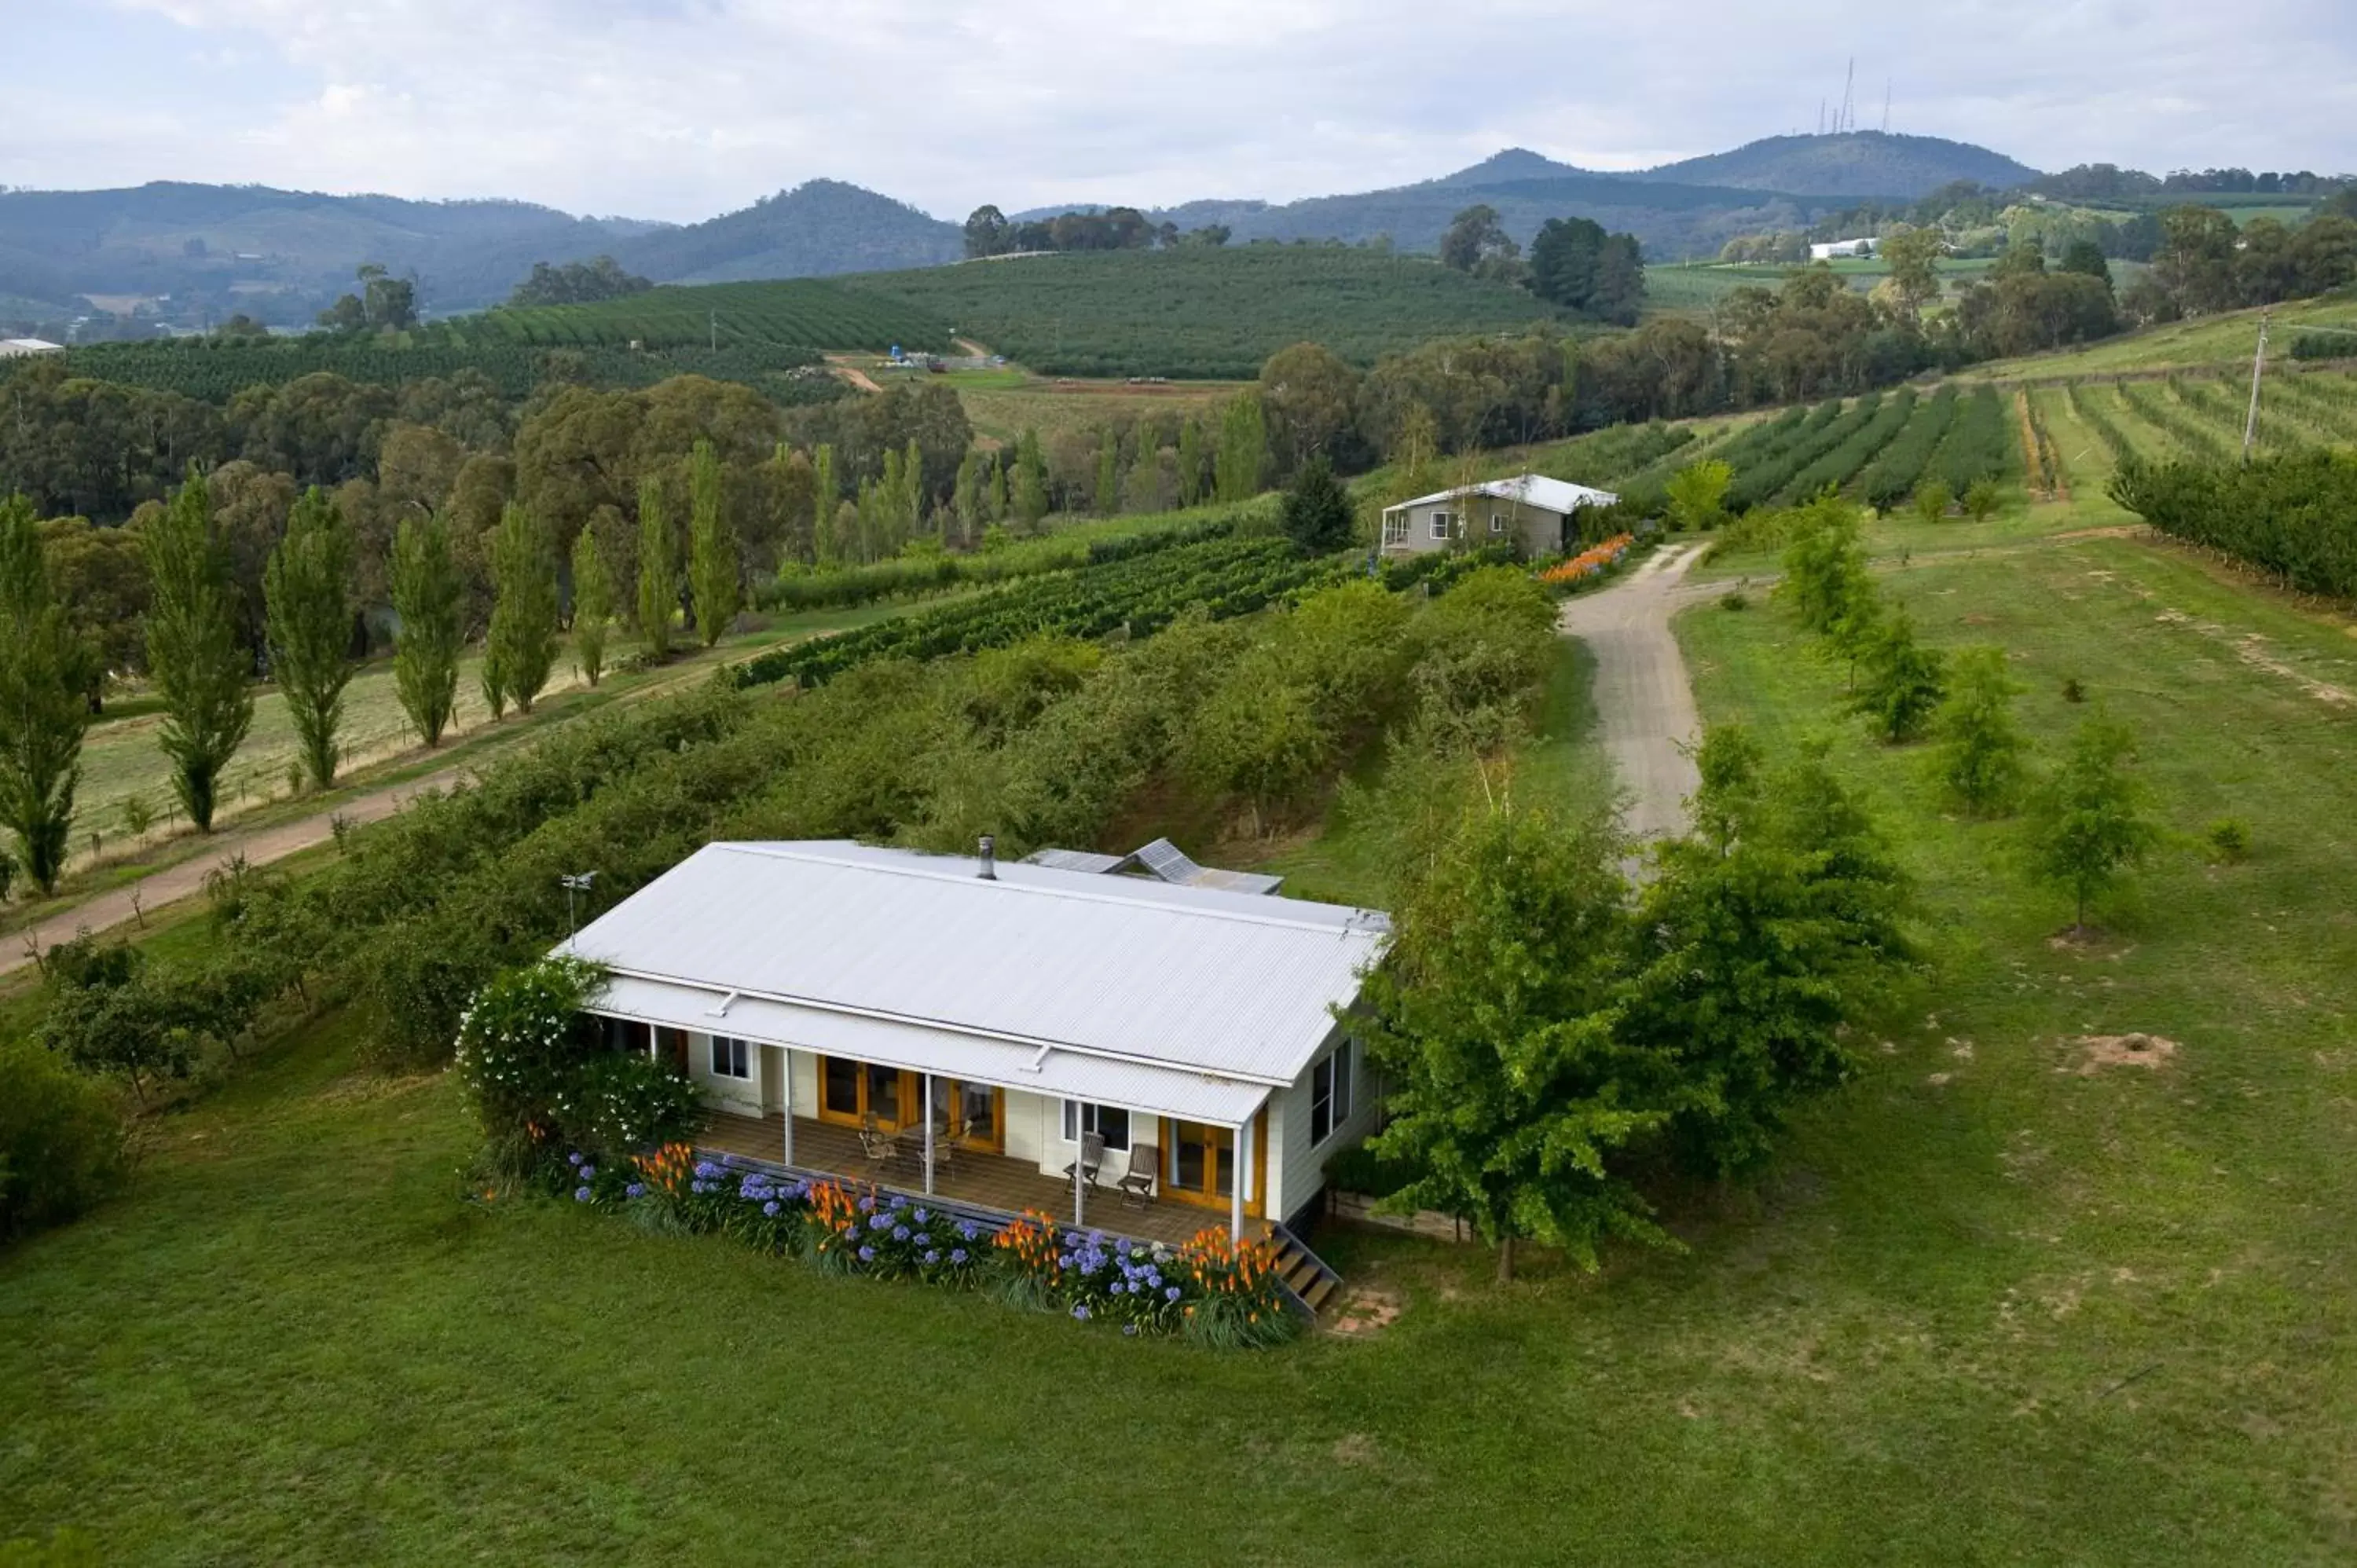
{"x":1441,"y":523}
{"x":1110,"y":1122}
{"x":1329,"y":1094}
{"x":1497,"y":522}
{"x":729,"y":1059}
{"x":1396,"y":530}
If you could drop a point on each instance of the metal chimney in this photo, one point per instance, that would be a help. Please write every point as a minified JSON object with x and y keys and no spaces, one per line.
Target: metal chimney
{"x":989,"y":871}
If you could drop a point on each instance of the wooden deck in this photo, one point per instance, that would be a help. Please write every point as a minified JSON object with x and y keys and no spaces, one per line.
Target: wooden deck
{"x":985,"y":1181}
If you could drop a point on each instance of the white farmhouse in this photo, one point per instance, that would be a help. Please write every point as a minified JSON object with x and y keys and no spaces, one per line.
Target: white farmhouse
{"x":1832,"y":250}
{"x":1528,"y":511}
{"x":1134,"y":1042}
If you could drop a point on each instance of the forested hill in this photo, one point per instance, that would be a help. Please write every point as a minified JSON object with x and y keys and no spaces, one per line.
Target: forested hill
{"x":280,"y":255}
{"x":1856,"y":163}
{"x":814,"y":229}
{"x":250,"y":247}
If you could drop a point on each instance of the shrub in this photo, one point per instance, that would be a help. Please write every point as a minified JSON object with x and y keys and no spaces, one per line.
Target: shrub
{"x":618,"y":1104}
{"x":1980,"y":499}
{"x":60,"y":1141}
{"x":523,"y":1043}
{"x":2230,"y":839}
{"x":1933,"y":499}
{"x":1734,"y":600}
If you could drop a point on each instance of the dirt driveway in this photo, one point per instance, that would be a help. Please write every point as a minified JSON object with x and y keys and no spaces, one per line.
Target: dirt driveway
{"x":1645,"y":704}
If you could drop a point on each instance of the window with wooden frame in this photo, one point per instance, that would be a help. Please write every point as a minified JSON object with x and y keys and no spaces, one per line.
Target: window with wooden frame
{"x":1329,"y":1094}
{"x":1441,"y":523}
{"x":1110,"y":1122}
{"x":1497,"y":522}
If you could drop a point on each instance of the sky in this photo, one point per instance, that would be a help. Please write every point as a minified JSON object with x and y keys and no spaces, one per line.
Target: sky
{"x":682,"y":109}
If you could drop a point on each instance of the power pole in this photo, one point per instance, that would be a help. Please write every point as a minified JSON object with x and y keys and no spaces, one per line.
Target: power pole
{"x":1847,"y":121}
{"x":2258,"y":366}
{"x":1886,"y":106}
{"x":715,"y":331}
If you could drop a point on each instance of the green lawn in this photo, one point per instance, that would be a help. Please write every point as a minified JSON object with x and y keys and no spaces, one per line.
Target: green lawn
{"x":1981,"y":1310}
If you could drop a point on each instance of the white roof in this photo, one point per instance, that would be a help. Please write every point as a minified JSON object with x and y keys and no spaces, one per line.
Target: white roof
{"x":1040,"y":977}
{"x":10,"y":346}
{"x":1530,"y":490}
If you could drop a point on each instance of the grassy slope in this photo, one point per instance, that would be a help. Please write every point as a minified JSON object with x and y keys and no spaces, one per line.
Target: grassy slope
{"x":2015,"y":1314}
{"x":2207,"y":342}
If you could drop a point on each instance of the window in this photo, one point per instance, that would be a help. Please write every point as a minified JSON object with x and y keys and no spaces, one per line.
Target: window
{"x":1395,"y":529}
{"x":1441,"y":523}
{"x":1110,"y":1122}
{"x":728,"y":1057}
{"x":1497,"y":522}
{"x":1329,"y":1094}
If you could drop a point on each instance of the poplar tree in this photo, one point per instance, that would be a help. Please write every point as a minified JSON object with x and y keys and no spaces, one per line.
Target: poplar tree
{"x":1243,"y":449}
{"x":306,"y":587}
{"x":1108,"y":496}
{"x":912,"y":492}
{"x":658,"y":574}
{"x":593,"y":606}
{"x":1031,"y":481}
{"x":522,"y":641}
{"x":998,"y":490}
{"x":711,"y":548}
{"x":967,"y":500}
{"x":428,"y":592}
{"x":1190,"y":461}
{"x":199,"y":670}
{"x":826,"y":533}
{"x":45,"y":672}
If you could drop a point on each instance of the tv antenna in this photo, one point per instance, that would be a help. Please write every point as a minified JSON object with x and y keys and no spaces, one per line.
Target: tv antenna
{"x":578,"y":883}
{"x":1886,"y":106}
{"x":1848,"y":117}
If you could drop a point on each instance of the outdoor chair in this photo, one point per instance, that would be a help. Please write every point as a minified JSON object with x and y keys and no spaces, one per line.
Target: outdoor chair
{"x":879,"y":1146}
{"x":1137,"y":1186}
{"x":1091,"y":1158}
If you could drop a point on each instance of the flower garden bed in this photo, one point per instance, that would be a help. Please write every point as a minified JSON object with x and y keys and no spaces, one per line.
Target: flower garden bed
{"x":1592,"y":562}
{"x":1210,"y":1289}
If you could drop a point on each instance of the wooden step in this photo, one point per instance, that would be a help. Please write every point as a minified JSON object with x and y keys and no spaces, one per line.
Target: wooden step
{"x":1320,"y":1291}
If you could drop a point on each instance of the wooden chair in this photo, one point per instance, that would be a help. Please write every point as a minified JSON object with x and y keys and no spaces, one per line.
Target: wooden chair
{"x":1091,"y":1158}
{"x":880,"y":1147}
{"x":1138,"y":1187}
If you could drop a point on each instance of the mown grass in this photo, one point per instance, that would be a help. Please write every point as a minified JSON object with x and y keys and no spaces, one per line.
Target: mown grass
{"x":2209,"y":342}
{"x":1980,"y":1309}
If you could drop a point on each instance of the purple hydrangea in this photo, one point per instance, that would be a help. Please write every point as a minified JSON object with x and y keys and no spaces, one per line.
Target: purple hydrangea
{"x":636,"y":1189}
{"x":920,"y":1217}
{"x":899,"y":1232}
{"x":867,"y":1254}
{"x":770,"y":1207}
{"x":1171,"y":1293}
{"x":573,"y":1158}
{"x":589,"y":1173}
{"x":933,"y":1255}
{"x":1081,"y":1311}
{"x":957,"y":1254}
{"x":580,"y":1195}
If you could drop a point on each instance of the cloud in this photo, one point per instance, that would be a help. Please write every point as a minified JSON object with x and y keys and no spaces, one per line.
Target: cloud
{"x":683,"y":108}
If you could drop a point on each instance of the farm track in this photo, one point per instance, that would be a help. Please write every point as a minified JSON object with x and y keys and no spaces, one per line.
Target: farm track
{"x":1644,"y":703}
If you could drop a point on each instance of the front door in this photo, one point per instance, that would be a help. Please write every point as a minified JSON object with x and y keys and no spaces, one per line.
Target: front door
{"x":975,"y":1111}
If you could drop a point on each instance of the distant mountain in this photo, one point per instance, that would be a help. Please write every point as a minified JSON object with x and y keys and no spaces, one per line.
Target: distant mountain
{"x":1856,"y":163}
{"x":278,"y":254}
{"x":1688,"y":209}
{"x":814,"y":229}
{"x":1671,"y":221}
{"x":1513,"y":165}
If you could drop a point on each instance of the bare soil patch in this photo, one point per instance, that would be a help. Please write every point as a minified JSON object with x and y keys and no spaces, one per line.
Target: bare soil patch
{"x":2099,"y":1052}
{"x":1367,"y":1309}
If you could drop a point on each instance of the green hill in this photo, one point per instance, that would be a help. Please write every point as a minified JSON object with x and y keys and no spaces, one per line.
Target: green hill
{"x":1207,"y":314}
{"x":817,"y":228}
{"x":1854,"y":163}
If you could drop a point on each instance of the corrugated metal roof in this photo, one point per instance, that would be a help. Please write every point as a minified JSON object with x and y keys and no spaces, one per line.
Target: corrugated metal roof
{"x":1532,"y":490}
{"x":1067,"y":1074}
{"x":1199,"y":979}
